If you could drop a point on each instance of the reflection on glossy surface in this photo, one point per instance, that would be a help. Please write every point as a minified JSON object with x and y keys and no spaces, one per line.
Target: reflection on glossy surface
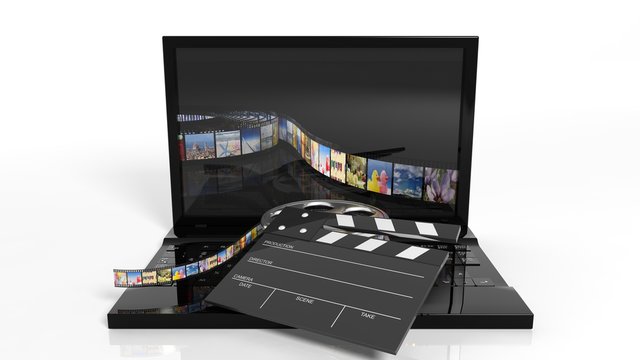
{"x":249,"y":186}
{"x":291,"y":343}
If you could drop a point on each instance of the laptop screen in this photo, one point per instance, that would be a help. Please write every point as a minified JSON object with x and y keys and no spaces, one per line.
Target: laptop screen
{"x":260,"y":127}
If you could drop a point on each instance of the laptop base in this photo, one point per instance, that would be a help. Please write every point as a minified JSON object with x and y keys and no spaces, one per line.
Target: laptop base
{"x":475,"y":297}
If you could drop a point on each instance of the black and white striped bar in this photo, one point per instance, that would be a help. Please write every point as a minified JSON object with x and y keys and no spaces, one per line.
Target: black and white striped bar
{"x":415,"y":230}
{"x":309,"y":225}
{"x":366,"y":242}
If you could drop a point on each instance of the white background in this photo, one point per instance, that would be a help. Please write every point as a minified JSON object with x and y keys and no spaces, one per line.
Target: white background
{"x":84,"y":184}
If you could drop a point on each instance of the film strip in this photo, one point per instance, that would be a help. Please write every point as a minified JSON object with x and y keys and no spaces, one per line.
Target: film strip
{"x":256,"y":132}
{"x":168,"y":275}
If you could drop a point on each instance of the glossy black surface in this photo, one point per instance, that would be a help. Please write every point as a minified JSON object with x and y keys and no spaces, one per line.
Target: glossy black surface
{"x":265,"y":182}
{"x":450,"y":304}
{"x":200,"y":223}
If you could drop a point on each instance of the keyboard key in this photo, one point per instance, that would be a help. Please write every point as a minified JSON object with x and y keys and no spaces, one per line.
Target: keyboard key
{"x":483,"y":282}
{"x":443,"y":280}
{"x":472,"y":261}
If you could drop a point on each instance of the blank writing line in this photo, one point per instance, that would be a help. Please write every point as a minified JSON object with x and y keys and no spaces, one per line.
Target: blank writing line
{"x":330,"y":279}
{"x":346,"y":261}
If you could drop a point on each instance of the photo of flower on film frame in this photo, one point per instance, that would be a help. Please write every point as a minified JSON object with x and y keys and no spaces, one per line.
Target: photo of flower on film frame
{"x":440,"y":185}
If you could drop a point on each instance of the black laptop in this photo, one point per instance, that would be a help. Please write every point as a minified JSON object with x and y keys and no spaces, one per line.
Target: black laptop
{"x":377,"y":127}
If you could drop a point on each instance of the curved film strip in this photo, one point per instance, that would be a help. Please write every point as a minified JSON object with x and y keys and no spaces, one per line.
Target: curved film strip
{"x":343,"y":230}
{"x":168,"y":275}
{"x":257,"y":131}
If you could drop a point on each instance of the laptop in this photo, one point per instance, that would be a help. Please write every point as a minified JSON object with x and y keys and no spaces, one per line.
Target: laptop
{"x":365,"y":126}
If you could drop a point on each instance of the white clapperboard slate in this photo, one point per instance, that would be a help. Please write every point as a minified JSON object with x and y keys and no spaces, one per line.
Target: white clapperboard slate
{"x":345,"y":285}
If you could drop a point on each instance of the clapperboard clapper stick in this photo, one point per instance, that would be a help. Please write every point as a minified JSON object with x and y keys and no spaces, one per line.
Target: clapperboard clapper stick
{"x":347,"y":285}
{"x":405,"y":229}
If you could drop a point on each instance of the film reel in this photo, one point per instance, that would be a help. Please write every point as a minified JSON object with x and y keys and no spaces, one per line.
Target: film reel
{"x":344,"y":207}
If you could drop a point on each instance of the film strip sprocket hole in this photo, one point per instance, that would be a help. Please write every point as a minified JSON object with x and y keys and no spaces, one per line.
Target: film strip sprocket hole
{"x":168,"y":275}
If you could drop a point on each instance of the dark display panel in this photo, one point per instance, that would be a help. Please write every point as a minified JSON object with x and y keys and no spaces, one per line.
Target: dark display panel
{"x":261,"y":127}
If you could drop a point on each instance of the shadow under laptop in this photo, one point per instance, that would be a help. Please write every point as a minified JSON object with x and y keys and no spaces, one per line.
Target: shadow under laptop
{"x":197,"y":344}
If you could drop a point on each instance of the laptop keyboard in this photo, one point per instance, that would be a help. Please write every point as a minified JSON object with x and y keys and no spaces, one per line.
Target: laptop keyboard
{"x":456,"y":275}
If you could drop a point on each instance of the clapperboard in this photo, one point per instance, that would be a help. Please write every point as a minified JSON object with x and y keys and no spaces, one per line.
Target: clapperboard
{"x":335,"y":275}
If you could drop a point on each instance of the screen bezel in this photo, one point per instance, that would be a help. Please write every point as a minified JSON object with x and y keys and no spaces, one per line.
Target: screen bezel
{"x":185,"y":226}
